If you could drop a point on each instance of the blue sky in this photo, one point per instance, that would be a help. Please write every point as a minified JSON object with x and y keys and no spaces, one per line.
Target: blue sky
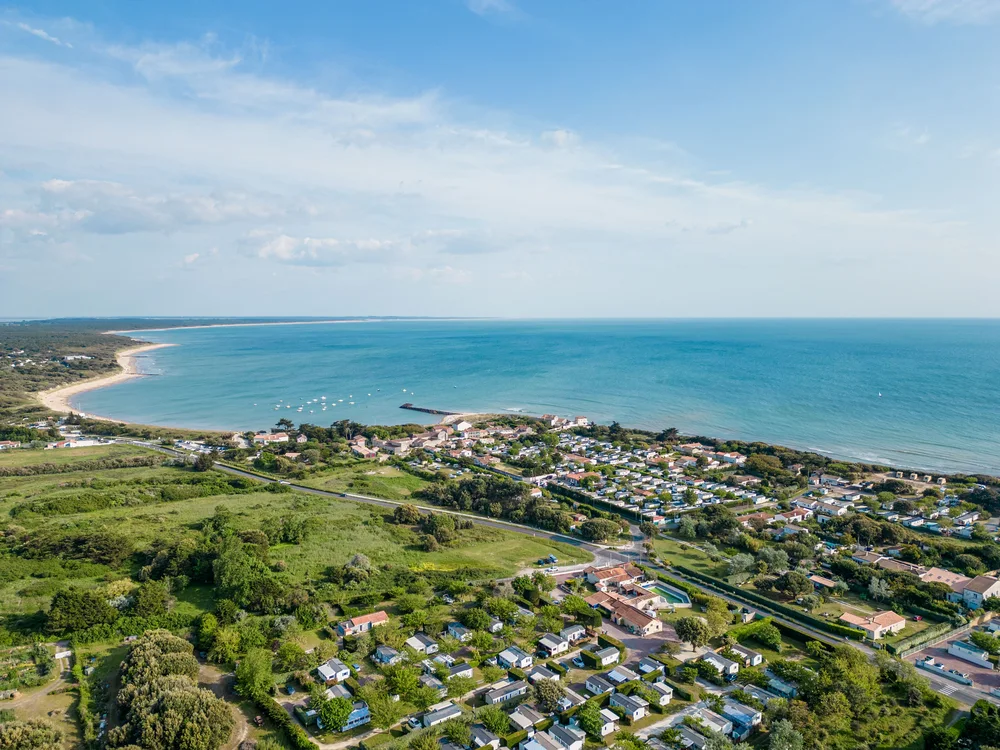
{"x":501,"y":157}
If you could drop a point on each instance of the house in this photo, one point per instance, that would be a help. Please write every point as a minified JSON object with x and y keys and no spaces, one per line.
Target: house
{"x":875,"y":626}
{"x":778,"y":686}
{"x":525,"y":718}
{"x":609,"y":722}
{"x":364,"y":451}
{"x":620,"y":675}
{"x":665,"y":692}
{"x":359,"y":716}
{"x":495,"y":625}
{"x":514,"y":658}
{"x":612,"y":576}
{"x":970,"y":653}
{"x":744,"y":718}
{"x":266,"y":438}
{"x":459,"y":631}
{"x":607,"y":656}
{"x":507,"y":692}
{"x":714,"y":721}
{"x":725,"y":667}
{"x":979,"y":589}
{"x":633,"y":706}
{"x":461,"y":669}
{"x":572,"y":699}
{"x":337,"y":691}
{"x":440,"y":713}
{"x":795,"y":515}
{"x":598,"y":685}
{"x":538,"y":672}
{"x":748,"y":520}
{"x":334,"y":670}
{"x":429,"y":680}
{"x":648,"y":665}
{"x":362,"y":624}
{"x":690,"y":738}
{"x":480,"y":736}
{"x":865,"y":557}
{"x":749,"y":657}
{"x":955,"y":581}
{"x":569,"y":737}
{"x":422,"y":644}
{"x":9,"y":445}
{"x":820,"y":583}
{"x":573,"y":633}
{"x":636,"y":621}
{"x":553,"y":644}
{"x":386,"y":655}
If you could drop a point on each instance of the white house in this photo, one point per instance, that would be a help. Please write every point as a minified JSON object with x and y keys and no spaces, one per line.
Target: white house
{"x":633,"y":706}
{"x":334,"y":670}
{"x":513,"y":657}
{"x":979,"y":589}
{"x":507,"y":692}
{"x":610,"y":722}
{"x":665,"y":692}
{"x":553,"y":644}
{"x":725,"y":667}
{"x":440,"y":713}
{"x":970,"y":653}
{"x":422,"y":644}
{"x":573,"y":633}
{"x":598,"y":685}
{"x":750,"y":657}
{"x":607,"y":656}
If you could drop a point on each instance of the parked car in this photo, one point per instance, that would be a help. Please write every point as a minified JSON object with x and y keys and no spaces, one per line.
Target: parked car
{"x":578,"y":662}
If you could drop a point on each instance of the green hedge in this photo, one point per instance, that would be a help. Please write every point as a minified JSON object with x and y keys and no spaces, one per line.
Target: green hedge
{"x":685,"y":694}
{"x":557,"y":667}
{"x":84,"y":709}
{"x":910,"y":644}
{"x":296,"y":735}
{"x":515,"y":738}
{"x":589,"y":659}
{"x":764,"y":603}
{"x":517,"y":673}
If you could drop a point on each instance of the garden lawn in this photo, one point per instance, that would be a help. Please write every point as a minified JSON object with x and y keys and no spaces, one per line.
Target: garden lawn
{"x":673,"y":552}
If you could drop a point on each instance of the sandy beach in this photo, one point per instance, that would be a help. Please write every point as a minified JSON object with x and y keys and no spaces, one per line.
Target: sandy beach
{"x":58,"y":399}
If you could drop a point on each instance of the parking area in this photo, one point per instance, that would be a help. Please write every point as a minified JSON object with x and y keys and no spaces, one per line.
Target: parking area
{"x":982,"y":677}
{"x":639,"y":646}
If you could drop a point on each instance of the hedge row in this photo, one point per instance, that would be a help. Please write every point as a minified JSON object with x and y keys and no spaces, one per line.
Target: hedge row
{"x":515,"y":738}
{"x":88,"y":722}
{"x":764,"y":603}
{"x":681,"y":692}
{"x":908,"y":645}
{"x":296,"y":735}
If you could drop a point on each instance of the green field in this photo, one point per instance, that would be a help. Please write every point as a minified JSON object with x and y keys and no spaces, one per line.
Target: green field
{"x":368,"y":478}
{"x":63,"y":456}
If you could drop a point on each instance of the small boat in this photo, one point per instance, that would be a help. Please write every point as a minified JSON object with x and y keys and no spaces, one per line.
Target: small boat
{"x":880,"y":394}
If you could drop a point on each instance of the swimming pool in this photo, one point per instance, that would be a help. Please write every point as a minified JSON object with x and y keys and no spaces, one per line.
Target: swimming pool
{"x":675,"y":596}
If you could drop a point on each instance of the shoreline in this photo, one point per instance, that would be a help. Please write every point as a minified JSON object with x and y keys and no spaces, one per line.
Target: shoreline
{"x":59,"y":399}
{"x":289,"y":323}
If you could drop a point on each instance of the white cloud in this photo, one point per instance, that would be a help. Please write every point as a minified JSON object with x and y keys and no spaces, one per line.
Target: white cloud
{"x":484,"y":7}
{"x":949,"y":11}
{"x":317,"y":251}
{"x":41,"y":34}
{"x":190,"y":258}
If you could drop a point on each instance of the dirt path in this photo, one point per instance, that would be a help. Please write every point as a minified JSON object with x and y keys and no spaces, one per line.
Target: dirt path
{"x":213,"y":679}
{"x":27,"y":702}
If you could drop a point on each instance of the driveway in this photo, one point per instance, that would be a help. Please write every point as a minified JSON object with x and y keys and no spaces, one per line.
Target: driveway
{"x":982,"y":677}
{"x":639,"y":646}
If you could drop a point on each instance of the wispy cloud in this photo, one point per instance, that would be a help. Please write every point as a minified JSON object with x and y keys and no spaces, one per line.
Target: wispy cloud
{"x":908,"y":136}
{"x":40,"y":33}
{"x":949,"y":11}
{"x":485,"y":7}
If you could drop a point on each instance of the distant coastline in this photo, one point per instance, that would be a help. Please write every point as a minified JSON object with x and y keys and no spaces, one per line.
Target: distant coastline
{"x":59,"y":399}
{"x":333,"y":321}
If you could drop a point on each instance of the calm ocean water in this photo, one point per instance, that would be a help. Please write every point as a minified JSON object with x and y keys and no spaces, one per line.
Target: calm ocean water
{"x":808,"y":384}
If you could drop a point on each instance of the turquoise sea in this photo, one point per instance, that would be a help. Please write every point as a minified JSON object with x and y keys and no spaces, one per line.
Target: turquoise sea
{"x":810,"y":384}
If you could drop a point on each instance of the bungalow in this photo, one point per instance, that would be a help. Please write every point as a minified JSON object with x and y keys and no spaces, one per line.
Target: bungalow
{"x":573,"y":633}
{"x":714,"y":721}
{"x":9,"y":445}
{"x":572,"y":699}
{"x":462,"y":669}
{"x":362,"y":624}
{"x":440,"y":713}
{"x":334,"y":670}
{"x":553,"y":644}
{"x":386,"y":655}
{"x":508,"y":692}
{"x":538,"y":673}
{"x":480,"y":736}
{"x":777,"y":685}
{"x":748,"y":520}
{"x":649,"y":666}
{"x":266,"y":438}
{"x":609,"y":722}
{"x":620,"y":675}
{"x":633,"y":706}
{"x":864,"y":557}
{"x":359,"y":716}
{"x":429,"y":680}
{"x":607,"y":656}
{"x":791,"y":530}
{"x":364,"y":451}
{"x":795,"y":515}
{"x":875,"y":626}
{"x":496,"y":625}
{"x":690,"y":738}
{"x":569,"y":737}
{"x":967,"y":519}
{"x":744,"y":718}
{"x":819,"y":582}
{"x":525,"y":718}
{"x":750,"y":657}
{"x":598,"y":685}
{"x":459,"y":631}
{"x":665,"y":692}
{"x":337,"y":691}
{"x":422,"y":644}
{"x":515,"y":658}
{"x":725,"y":667}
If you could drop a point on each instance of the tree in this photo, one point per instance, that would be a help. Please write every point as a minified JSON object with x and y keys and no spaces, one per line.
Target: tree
{"x":648,"y":529}
{"x":291,"y":656}
{"x":476,"y":619}
{"x":253,"y":673}
{"x":784,"y":736}
{"x":459,"y":686}
{"x":591,"y":721}
{"x":776,"y":559}
{"x":548,"y":693}
{"x":985,"y":641}
{"x":384,"y":710}
{"x":401,"y":679}
{"x":335,"y":712}
{"x":939,"y":738}
{"x":458,"y":731}
{"x":687,"y":528}
{"x":150,"y":600}
{"x":793,"y":584}
{"x":494,"y":719}
{"x":73,"y":610}
{"x":693,"y":630}
{"x":33,"y":734}
{"x":599,"y":529}
{"x":879,"y":589}
{"x":424,"y":741}
{"x":406,"y":514}
{"x":740,"y":564}
{"x":481,"y":641}
{"x":226,"y":645}
{"x":204,"y":462}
